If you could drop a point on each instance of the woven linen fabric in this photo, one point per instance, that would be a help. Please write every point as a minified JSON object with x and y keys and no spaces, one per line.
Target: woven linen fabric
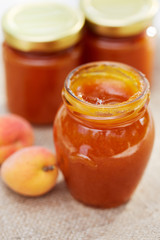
{"x":57,"y":216}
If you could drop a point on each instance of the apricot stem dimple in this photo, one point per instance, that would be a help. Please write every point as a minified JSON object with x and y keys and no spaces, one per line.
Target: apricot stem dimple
{"x":48,"y":168}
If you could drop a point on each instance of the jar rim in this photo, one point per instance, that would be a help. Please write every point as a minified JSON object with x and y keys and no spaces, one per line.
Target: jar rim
{"x":108,"y":111}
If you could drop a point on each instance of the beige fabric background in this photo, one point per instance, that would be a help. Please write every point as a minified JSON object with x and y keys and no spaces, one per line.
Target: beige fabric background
{"x":57,"y":216}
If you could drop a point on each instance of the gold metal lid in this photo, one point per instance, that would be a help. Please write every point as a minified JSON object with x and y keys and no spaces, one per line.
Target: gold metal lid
{"x":119,"y":18}
{"x":43,"y":27}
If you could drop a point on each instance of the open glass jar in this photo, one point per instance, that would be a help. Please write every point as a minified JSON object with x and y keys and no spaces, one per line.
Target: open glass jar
{"x":121,"y":31}
{"x":42,"y":45}
{"x":104,"y":132}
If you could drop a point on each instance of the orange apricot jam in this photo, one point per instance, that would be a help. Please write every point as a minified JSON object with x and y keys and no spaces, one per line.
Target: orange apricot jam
{"x":34,"y":81}
{"x":104,"y":132}
{"x":42,"y":44}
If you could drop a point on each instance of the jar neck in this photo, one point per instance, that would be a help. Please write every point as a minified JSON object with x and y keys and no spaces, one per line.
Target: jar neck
{"x":110,"y":114}
{"x":41,"y":54}
{"x":93,"y":33}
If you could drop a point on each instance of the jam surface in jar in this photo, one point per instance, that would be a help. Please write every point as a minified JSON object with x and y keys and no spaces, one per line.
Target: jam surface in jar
{"x":104,"y":133}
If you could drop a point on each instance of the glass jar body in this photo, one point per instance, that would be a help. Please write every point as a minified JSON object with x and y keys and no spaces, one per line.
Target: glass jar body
{"x":137,"y":51}
{"x":34,"y":81}
{"x":102,"y":166}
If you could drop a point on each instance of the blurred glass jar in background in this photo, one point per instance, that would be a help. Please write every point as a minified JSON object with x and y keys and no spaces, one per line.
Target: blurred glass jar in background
{"x":42,"y":44}
{"x":121,"y":31}
{"x":104,"y":132}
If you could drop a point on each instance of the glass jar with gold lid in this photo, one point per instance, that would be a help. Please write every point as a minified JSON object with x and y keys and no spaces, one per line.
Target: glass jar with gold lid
{"x":121,"y":30}
{"x":104,"y":132}
{"x":42,"y":44}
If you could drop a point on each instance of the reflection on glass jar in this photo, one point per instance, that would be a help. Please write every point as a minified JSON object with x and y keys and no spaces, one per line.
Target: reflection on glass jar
{"x":104,"y":132}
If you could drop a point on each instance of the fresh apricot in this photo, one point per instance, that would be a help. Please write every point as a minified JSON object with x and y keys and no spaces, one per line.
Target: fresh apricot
{"x":31,"y":171}
{"x":15,"y":133}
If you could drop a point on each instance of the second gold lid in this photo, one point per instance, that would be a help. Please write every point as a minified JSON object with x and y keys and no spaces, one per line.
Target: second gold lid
{"x":118,"y":18}
{"x":42,"y":27}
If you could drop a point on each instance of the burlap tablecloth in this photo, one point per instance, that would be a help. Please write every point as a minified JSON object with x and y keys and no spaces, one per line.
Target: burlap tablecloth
{"x":57,"y":216}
